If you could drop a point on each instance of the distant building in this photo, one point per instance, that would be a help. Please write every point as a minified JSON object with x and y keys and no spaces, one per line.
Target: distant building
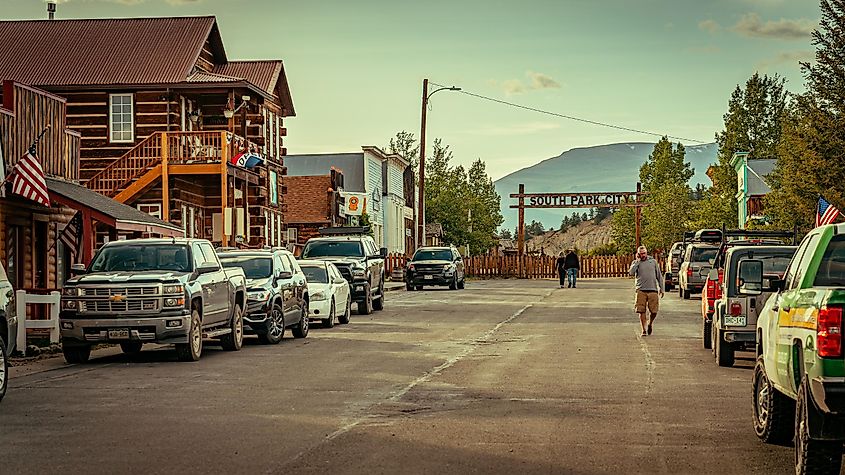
{"x":434,"y":234}
{"x":314,"y":202}
{"x":752,"y":186}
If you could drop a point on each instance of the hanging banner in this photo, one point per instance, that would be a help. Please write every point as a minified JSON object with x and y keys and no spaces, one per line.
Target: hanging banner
{"x":356,"y":203}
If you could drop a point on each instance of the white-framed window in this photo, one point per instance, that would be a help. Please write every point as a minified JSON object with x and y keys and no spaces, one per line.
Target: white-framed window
{"x":121,"y":118}
{"x":151,"y":209}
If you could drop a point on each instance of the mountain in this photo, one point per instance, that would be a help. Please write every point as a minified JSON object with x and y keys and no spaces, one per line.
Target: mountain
{"x":614,"y":167}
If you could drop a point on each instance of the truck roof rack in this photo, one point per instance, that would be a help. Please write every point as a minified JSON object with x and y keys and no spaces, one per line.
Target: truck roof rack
{"x":704,"y":236}
{"x":344,"y":231}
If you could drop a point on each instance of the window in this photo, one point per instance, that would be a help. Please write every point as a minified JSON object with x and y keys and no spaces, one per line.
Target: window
{"x":121,"y":118}
{"x":801,"y":268}
{"x":151,"y":209}
{"x":831,"y":271}
{"x":209,"y":253}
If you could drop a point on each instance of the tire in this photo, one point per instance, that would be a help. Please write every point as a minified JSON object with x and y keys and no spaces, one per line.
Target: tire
{"x":378,"y":304}
{"x":454,"y":284}
{"x":773,"y":411}
{"x":707,"y":334}
{"x":344,"y":319}
{"x":192,"y":350}
{"x":680,"y":292}
{"x":812,"y":456}
{"x":409,"y":287}
{"x":462,"y":283}
{"x":234,"y":340}
{"x":329,"y":323}
{"x":301,"y":329}
{"x":366,"y":307}
{"x":419,"y":287}
{"x":4,"y":370}
{"x":724,"y":350}
{"x":131,"y":347}
{"x":275,"y":327}
{"x":76,"y":354}
{"x":686,"y":294}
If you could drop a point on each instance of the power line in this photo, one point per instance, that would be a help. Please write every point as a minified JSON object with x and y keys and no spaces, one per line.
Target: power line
{"x":569,"y":117}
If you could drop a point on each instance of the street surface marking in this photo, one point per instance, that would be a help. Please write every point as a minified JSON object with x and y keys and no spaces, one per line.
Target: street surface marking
{"x":649,"y":362}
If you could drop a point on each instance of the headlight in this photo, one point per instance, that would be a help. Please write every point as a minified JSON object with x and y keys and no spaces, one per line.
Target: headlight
{"x":174,"y":302}
{"x":449,"y":269}
{"x":318,"y":296}
{"x":356,"y":272}
{"x":69,"y":304}
{"x":259,"y":295}
{"x":174,"y":289}
{"x":71,"y":292}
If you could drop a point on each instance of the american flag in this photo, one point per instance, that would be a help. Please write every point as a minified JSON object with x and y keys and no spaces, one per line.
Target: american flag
{"x":826,"y":213}
{"x":29,"y":179}
{"x":72,"y":234}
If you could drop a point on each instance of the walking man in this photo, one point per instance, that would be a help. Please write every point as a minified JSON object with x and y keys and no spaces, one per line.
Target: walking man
{"x":571,"y":265}
{"x":649,"y":285}
{"x":561,"y":268}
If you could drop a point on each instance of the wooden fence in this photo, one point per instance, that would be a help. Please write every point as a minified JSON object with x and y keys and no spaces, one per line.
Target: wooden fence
{"x":533,"y":267}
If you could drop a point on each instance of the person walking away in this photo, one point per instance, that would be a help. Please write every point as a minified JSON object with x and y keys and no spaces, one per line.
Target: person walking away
{"x":571,"y":265}
{"x":649,"y":287}
{"x":561,"y":268}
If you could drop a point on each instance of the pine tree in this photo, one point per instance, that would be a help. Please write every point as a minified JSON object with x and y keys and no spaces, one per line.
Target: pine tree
{"x":665,"y":177}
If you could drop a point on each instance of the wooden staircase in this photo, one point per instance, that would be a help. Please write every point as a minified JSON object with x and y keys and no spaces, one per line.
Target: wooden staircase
{"x":132,"y":166}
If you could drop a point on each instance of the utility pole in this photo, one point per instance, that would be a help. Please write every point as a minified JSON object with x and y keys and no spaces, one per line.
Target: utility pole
{"x":638,"y":211}
{"x":421,"y":206}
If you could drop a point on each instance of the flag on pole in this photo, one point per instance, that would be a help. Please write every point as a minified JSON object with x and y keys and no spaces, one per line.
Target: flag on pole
{"x":826,"y":213}
{"x":72,"y":234}
{"x":29,"y":179}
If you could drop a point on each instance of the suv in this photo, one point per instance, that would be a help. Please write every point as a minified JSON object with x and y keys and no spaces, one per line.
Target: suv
{"x":277,"y":295}
{"x":673,"y":265}
{"x":357,"y":258}
{"x":735,"y":318}
{"x":695,"y":267}
{"x":8,"y":329}
{"x":152,"y":290}
{"x":799,"y":378}
{"x":435,"y":266}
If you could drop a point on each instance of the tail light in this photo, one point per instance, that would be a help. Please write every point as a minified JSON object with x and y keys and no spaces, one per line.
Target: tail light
{"x":689,"y":272}
{"x":736,"y":309}
{"x":411,"y":267}
{"x":829,"y":332}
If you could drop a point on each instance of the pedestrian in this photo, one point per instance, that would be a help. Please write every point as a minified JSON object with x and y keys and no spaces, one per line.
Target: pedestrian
{"x":649,"y":285}
{"x":571,"y":265}
{"x":561,"y":268}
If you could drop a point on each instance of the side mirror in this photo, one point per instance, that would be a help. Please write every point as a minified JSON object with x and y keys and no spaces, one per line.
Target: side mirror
{"x":383,"y":253}
{"x":750,"y":275}
{"x":711,"y":261}
{"x":284,"y":275}
{"x":77,"y":269}
{"x":207,"y":268}
{"x":676,"y":253}
{"x":777,"y":284}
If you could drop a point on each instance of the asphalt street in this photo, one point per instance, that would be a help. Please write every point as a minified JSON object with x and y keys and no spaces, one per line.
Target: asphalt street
{"x":503,"y":377}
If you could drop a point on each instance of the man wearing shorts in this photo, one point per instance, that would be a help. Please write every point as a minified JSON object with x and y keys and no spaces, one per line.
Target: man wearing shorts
{"x":649,"y":285}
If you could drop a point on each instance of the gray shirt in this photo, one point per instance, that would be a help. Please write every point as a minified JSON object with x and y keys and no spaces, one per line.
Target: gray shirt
{"x":647,"y":274}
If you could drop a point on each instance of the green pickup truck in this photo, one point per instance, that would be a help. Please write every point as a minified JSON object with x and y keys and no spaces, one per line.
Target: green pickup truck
{"x":799,"y":378}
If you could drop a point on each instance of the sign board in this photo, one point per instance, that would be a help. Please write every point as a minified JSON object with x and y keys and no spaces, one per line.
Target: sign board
{"x":356,"y":203}
{"x":577,"y":200}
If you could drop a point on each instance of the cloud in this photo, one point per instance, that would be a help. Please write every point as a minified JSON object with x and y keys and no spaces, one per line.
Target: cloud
{"x":786,"y":57}
{"x":536,"y":81}
{"x":752,"y":25}
{"x":710,"y":26}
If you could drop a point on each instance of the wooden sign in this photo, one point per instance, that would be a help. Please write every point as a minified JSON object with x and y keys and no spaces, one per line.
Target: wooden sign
{"x":577,"y":200}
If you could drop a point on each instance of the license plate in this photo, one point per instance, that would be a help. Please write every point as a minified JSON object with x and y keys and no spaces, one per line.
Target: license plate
{"x":736,"y":321}
{"x":429,"y":277}
{"x":119,"y":334}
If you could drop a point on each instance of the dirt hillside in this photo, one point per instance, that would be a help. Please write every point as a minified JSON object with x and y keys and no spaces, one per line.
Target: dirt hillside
{"x":584,"y":236}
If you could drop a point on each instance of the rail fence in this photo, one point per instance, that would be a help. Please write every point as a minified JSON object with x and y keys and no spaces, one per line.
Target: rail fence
{"x":532,"y":267}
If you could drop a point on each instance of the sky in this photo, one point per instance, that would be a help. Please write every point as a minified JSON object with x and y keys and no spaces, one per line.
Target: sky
{"x":356,"y":68}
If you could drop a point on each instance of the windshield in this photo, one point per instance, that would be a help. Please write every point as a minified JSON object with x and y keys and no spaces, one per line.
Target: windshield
{"x":254,"y":267}
{"x":139,"y":257}
{"x":703,"y":254}
{"x":433,"y":255}
{"x":316,"y":274}
{"x":333,"y":249}
{"x":772,"y":264}
{"x":832,"y":267}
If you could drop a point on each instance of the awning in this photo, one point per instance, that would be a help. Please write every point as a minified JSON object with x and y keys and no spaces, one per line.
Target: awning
{"x":108,"y":211}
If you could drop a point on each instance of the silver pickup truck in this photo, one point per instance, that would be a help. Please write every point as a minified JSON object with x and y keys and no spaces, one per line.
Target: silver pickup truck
{"x":152,"y":290}
{"x":695,"y":267}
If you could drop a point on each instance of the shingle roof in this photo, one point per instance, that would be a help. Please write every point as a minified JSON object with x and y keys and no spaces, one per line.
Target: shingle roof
{"x":104,"y":51}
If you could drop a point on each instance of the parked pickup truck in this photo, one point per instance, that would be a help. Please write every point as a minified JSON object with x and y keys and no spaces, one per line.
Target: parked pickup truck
{"x":152,"y":290}
{"x":673,"y":265}
{"x":799,"y":378}
{"x":695,"y":267}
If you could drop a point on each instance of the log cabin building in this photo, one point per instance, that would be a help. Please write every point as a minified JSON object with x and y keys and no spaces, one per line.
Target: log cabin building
{"x":162,"y":112}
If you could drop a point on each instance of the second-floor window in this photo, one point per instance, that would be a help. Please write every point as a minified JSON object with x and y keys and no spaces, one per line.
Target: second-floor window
{"x":121,"y":118}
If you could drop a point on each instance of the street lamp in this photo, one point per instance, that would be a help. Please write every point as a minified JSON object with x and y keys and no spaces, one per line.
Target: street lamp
{"x":421,"y":209}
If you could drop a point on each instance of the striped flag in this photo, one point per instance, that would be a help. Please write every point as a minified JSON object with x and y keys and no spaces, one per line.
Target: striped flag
{"x":72,"y":234}
{"x":29,"y":179}
{"x":826,"y":213}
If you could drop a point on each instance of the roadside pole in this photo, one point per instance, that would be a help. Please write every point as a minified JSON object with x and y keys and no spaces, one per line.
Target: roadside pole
{"x":521,"y":229}
{"x":637,"y":211}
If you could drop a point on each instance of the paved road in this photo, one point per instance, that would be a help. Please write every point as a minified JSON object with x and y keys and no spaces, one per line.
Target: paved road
{"x":506,"y":376}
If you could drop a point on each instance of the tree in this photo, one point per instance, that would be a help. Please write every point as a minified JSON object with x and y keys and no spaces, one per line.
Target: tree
{"x":506,"y":234}
{"x":665,"y":176}
{"x":484,"y":205}
{"x":602,"y":214}
{"x":536,"y":228}
{"x":623,"y":230}
{"x":405,"y":145}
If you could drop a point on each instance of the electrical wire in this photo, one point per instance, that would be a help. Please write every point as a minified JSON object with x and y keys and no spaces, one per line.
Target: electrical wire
{"x":577,"y":119}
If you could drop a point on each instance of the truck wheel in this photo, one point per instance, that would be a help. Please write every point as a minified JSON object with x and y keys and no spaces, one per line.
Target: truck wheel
{"x":329,"y":322}
{"x":454,"y":284}
{"x":234,"y":340}
{"x":462,"y":283}
{"x":192,"y":350}
{"x":131,"y":347}
{"x":275,"y":327}
{"x":686,"y":294}
{"x":813,"y":456}
{"x":76,"y":354}
{"x":378,"y":304}
{"x":724,"y":350}
{"x":301,"y":330}
{"x":680,"y":292}
{"x":344,"y":319}
{"x":707,"y":334}
{"x":366,"y":307}
{"x":409,"y":287}
{"x":4,"y":370}
{"x":773,"y":411}
{"x":419,"y":287}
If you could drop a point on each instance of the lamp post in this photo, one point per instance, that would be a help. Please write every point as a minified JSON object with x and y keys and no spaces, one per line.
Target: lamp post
{"x":421,"y":208}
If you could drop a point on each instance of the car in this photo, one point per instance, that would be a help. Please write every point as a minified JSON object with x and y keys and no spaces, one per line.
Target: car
{"x":277,"y":292}
{"x":734,"y":321}
{"x":331,"y":298}
{"x":799,"y":375}
{"x":435,"y":265}
{"x":358,"y":259}
{"x":673,"y":265}
{"x":695,"y":267}
{"x":8,"y":329}
{"x":137,"y":291}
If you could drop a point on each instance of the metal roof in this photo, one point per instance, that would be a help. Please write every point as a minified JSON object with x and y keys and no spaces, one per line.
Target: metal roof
{"x":105,"y":51}
{"x":263,"y":74}
{"x":351,"y":164}
{"x":758,"y":170}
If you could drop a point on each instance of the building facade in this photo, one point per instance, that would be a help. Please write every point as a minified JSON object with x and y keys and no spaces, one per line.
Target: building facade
{"x":751,"y":186}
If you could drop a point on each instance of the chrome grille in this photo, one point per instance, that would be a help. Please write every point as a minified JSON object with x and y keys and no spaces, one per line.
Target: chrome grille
{"x":135,"y":300}
{"x":125,"y":291}
{"x":432,"y":269}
